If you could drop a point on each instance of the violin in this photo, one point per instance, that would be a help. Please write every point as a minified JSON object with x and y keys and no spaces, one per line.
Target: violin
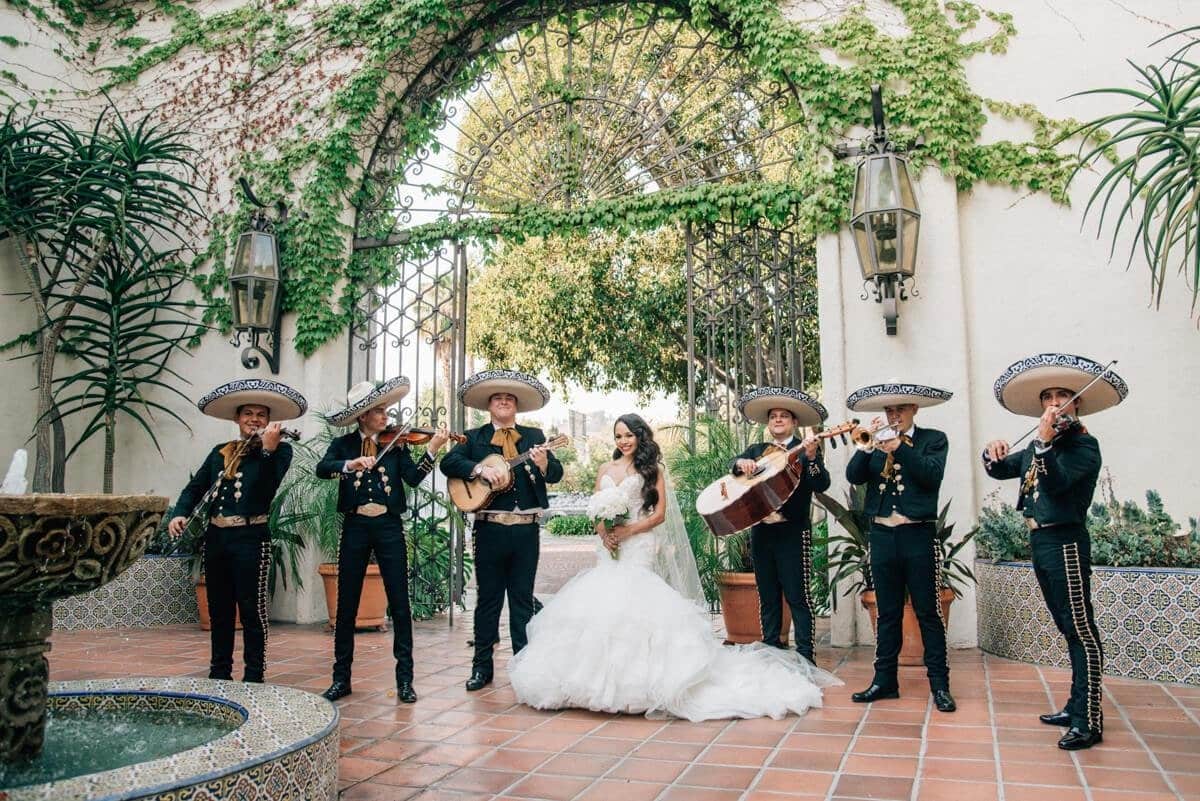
{"x":284,"y":433}
{"x":414,"y":435}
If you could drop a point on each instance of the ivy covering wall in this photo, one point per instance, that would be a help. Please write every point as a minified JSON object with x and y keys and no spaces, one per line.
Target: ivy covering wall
{"x":293,"y":94}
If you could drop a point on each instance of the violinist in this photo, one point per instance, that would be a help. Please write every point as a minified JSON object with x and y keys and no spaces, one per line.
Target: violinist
{"x":238,"y":481}
{"x":1058,"y":471}
{"x":366,"y":463}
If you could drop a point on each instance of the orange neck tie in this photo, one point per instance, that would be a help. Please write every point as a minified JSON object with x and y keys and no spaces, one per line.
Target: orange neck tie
{"x":368,"y":447}
{"x":507,"y":439}
{"x":233,"y":452}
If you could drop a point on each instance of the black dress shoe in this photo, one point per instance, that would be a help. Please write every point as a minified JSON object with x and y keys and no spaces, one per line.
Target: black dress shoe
{"x":406,"y":693}
{"x":1056,"y":719}
{"x":874,"y":693}
{"x":1078,"y":739}
{"x":339,"y":689}
{"x":944,"y":701}
{"x":478,"y":681}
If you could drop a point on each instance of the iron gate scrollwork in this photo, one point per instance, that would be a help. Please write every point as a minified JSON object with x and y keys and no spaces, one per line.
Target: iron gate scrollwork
{"x":416,"y":327}
{"x":752,"y":314}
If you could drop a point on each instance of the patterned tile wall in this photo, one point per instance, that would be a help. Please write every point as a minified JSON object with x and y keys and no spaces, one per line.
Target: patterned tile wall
{"x":1149,"y":619}
{"x":154,"y":591}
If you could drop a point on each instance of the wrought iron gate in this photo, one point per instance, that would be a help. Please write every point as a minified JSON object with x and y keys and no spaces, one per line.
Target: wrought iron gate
{"x":752,"y":314}
{"x":416,"y":327}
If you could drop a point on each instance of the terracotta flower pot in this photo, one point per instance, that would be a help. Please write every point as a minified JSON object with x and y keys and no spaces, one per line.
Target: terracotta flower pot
{"x":372,"y":603}
{"x":739,"y":608}
{"x":202,"y":606}
{"x":912,"y":648}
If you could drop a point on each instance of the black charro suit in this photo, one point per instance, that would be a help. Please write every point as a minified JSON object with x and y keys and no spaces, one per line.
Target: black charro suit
{"x":237,"y":559}
{"x":1057,"y":485}
{"x":506,"y":557}
{"x":782,"y":553}
{"x":906,"y":559}
{"x":383,"y":535}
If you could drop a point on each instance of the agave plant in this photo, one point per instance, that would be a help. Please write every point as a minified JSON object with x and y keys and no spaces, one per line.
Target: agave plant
{"x":1161,"y":176}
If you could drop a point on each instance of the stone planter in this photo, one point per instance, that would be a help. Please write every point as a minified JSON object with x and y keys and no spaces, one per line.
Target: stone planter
{"x":153,"y":591}
{"x":1149,"y":619}
{"x":739,"y":609}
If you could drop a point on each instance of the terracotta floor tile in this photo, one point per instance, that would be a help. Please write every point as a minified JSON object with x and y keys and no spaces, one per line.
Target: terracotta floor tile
{"x":807,"y":760}
{"x":874,"y":765}
{"x":1143,"y":781}
{"x":700,"y":794}
{"x":681,"y":752}
{"x":583,"y":765}
{"x":719,"y":776}
{"x":735,"y":755}
{"x":1137,"y":795}
{"x":629,"y":727}
{"x":648,"y":770}
{"x":948,"y":749}
{"x":959,"y":769}
{"x":942,"y":790}
{"x":451,"y":754}
{"x":1173,"y":763}
{"x":1027,"y":792}
{"x":480,"y":737}
{"x":884,"y":788}
{"x":537,"y":740}
{"x":907,"y":731}
{"x":958,"y":734}
{"x":739,"y":736}
{"x":550,"y":788}
{"x":392,"y":750}
{"x":369,"y":791}
{"x":887,"y":746}
{"x":357,"y":769}
{"x":613,"y":790}
{"x":764,"y":795}
{"x":511,"y":759}
{"x":603,"y":745}
{"x":1106,"y":756}
{"x":816,"y":742}
{"x":1041,"y":751}
{"x":414,"y":775}
{"x":1064,"y":774}
{"x":1188,"y":784}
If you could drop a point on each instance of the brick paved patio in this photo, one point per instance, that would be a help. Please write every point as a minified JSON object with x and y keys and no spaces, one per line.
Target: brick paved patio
{"x":458,"y":745}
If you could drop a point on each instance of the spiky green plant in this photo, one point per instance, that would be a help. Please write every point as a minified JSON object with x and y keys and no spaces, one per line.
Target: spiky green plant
{"x":1157,"y":185}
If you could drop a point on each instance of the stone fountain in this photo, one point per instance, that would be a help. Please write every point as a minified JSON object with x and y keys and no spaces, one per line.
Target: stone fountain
{"x":270,"y":742}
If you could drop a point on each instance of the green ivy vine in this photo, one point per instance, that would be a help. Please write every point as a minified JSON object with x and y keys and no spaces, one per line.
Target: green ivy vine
{"x":316,"y":161}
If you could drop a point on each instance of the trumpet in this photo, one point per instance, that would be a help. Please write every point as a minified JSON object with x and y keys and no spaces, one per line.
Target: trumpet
{"x":870,"y":436}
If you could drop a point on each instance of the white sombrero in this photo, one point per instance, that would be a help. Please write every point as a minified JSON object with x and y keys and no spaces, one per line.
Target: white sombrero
{"x":875,"y":397}
{"x":1020,"y":386}
{"x":757,"y":404}
{"x":223,"y":402}
{"x":366,"y":395}
{"x":528,"y":391}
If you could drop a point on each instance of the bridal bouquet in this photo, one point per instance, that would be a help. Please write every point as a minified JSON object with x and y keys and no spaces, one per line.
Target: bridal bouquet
{"x":610,"y":505}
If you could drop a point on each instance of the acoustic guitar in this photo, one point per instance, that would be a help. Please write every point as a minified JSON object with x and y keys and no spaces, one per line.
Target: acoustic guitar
{"x":735,"y":503}
{"x":472,"y":494}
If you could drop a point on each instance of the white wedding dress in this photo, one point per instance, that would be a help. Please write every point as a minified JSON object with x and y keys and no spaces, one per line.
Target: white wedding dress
{"x":618,"y":638}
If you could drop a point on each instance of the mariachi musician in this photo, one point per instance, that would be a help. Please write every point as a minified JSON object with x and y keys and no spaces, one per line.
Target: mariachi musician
{"x":1058,"y":472}
{"x":505,"y":535}
{"x":366,"y":466}
{"x":781,"y":545}
{"x":902,"y":466}
{"x":239,"y":479}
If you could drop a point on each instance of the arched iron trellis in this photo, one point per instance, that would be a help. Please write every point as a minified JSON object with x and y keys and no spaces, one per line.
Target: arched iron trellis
{"x":568,"y":104}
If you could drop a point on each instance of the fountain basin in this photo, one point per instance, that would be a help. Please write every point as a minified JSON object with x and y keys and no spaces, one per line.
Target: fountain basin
{"x":285,"y":747}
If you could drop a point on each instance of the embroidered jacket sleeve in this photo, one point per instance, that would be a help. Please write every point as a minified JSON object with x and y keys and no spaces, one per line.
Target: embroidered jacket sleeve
{"x":554,"y":468}
{"x":460,"y":460}
{"x":858,"y":469}
{"x":1067,"y":467}
{"x":414,"y":472}
{"x":753,"y":452}
{"x":274,"y":468}
{"x":199,"y":483}
{"x":925,"y":465}
{"x":334,"y":460}
{"x":814,"y":476}
{"x":1008,"y":467}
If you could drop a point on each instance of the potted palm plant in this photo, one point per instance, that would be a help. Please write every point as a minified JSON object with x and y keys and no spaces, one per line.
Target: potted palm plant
{"x":851,"y":565}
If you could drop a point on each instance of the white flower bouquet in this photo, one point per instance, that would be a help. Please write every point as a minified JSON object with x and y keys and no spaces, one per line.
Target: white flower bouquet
{"x":610,"y":506}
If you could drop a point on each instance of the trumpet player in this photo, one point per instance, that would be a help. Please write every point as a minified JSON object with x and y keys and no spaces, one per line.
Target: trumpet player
{"x":902,"y":467}
{"x":1058,"y":473}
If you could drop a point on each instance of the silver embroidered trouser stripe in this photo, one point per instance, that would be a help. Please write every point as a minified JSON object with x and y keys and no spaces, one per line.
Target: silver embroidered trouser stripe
{"x":1086,"y":632}
{"x":263,"y":595}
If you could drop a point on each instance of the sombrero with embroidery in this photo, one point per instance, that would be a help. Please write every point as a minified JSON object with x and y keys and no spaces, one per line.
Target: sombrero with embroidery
{"x":528,"y":391}
{"x":366,"y":395}
{"x":223,"y":402}
{"x":757,"y":404}
{"x":1020,"y":386}
{"x":875,"y":397}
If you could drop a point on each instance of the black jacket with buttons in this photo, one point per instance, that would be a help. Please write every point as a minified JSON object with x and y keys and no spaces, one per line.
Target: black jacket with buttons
{"x":1064,"y":478}
{"x":259,"y":477}
{"x":529,"y":485}
{"x":813,"y":478}
{"x":376,"y":485}
{"x":914,"y":485}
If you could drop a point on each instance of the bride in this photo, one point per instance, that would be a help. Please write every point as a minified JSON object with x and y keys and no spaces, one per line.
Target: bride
{"x":631,"y":634}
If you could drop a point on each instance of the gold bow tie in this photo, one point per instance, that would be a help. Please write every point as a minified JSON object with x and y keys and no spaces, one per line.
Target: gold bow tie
{"x":507,"y":439}
{"x":889,"y":464}
{"x":232,"y":452}
{"x":368,"y":447}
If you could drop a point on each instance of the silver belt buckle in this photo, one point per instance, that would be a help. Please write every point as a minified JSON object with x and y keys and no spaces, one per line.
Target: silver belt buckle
{"x":893,"y":520}
{"x":1032,"y":524}
{"x":371,"y":510}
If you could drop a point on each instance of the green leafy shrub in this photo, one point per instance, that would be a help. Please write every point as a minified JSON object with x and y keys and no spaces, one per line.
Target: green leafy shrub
{"x":1123,"y":534}
{"x":571,"y":526}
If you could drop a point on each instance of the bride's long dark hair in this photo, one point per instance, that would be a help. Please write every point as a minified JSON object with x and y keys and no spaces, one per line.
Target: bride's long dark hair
{"x":646,"y":457}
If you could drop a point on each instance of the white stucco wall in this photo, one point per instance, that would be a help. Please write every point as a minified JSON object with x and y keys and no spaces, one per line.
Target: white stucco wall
{"x":1004,"y":274}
